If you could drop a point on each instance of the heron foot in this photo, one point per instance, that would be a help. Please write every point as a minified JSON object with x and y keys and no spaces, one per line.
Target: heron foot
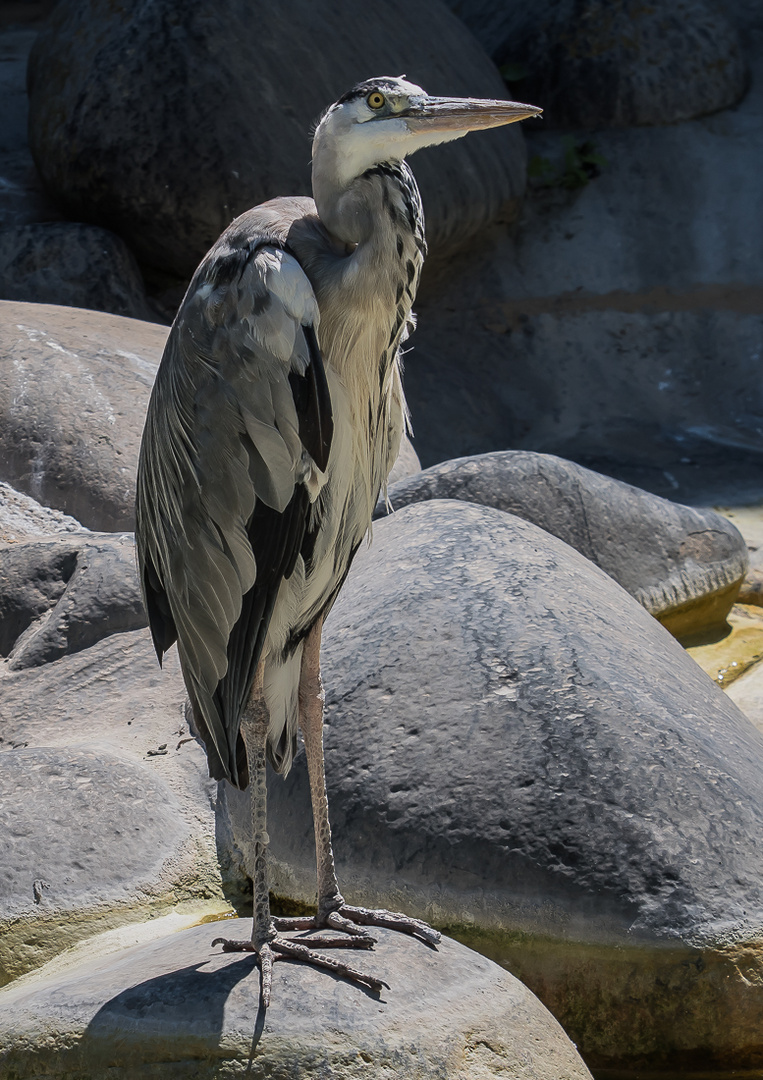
{"x":350,"y":919}
{"x":282,"y":948}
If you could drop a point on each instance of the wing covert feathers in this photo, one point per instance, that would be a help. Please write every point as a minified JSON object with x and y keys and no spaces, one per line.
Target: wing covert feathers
{"x":236,"y":442}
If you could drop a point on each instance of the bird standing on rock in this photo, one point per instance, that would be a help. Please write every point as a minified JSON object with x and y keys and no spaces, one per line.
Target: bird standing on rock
{"x":274,"y":421}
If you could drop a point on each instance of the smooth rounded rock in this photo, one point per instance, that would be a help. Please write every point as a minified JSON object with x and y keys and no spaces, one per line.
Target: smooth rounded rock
{"x":594,"y":63}
{"x":58,"y":596}
{"x":72,"y":265}
{"x":683,"y":565}
{"x":179,"y":1007}
{"x":517,"y":751}
{"x":106,"y":803}
{"x":74,"y":387}
{"x":133,"y":127}
{"x":79,"y":829}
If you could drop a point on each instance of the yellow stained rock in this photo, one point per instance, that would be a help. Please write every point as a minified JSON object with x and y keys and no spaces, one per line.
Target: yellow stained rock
{"x":734,"y":650}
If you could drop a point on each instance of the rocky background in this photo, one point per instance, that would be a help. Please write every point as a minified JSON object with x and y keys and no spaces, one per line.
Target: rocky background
{"x":522,"y":744}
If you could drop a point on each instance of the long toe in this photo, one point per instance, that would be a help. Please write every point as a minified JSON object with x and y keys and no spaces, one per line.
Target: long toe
{"x":234,"y":946}
{"x":289,"y":949}
{"x":390,"y":920}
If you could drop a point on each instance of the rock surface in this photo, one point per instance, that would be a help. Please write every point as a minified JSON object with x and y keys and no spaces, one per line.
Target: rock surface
{"x":620,"y":325}
{"x":133,"y":128}
{"x":74,"y":387}
{"x":106,"y":801}
{"x":62,"y":595}
{"x":22,"y":197}
{"x":72,"y":265}
{"x":185,"y":1010}
{"x":683,"y":565}
{"x":592,"y":63}
{"x":22,"y":518}
{"x":517,"y":751}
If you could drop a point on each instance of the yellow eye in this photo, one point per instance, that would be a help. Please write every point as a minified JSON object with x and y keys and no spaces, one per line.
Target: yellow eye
{"x":375,"y":100}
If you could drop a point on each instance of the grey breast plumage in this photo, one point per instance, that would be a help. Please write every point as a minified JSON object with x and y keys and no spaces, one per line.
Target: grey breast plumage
{"x":239,"y":419}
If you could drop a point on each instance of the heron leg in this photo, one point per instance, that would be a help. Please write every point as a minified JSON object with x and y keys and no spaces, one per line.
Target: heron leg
{"x":266,"y":942}
{"x":333,"y":912}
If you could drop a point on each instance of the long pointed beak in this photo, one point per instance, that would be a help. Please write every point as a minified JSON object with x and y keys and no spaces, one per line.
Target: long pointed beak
{"x":464,"y":114}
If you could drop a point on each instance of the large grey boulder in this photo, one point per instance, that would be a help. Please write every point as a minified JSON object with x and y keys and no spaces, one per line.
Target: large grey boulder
{"x":73,"y":265}
{"x":74,"y":387}
{"x":594,"y":63}
{"x":518,"y":752}
{"x":609,"y":328}
{"x":107,"y":809}
{"x":61,"y":595}
{"x":683,"y":565}
{"x":177,"y":1008}
{"x":164,"y":121}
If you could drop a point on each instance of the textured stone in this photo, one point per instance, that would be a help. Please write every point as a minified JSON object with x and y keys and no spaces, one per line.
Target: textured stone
{"x":592,"y":63}
{"x":517,"y":751}
{"x":620,"y":325}
{"x":683,"y":565}
{"x":22,"y":517}
{"x":74,"y":386}
{"x":22,"y":198}
{"x":72,"y":265}
{"x":80,"y":830}
{"x":133,"y":128}
{"x":61,"y":595}
{"x":106,"y":801}
{"x":176,"y":1008}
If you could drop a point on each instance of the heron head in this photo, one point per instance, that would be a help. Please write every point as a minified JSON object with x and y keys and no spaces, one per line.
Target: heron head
{"x":386,"y":119}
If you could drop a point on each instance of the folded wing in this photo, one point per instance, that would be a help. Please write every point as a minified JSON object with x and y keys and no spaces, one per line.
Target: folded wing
{"x":234,"y":451}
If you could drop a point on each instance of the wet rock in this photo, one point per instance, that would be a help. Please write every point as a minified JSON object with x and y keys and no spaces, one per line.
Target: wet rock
{"x":97,"y":833}
{"x":517,"y":751}
{"x":683,"y":565}
{"x":447,"y":1013}
{"x":74,"y":387}
{"x":592,"y":63}
{"x":22,"y":518}
{"x":72,"y":265}
{"x":63,"y":594}
{"x":168,"y":170}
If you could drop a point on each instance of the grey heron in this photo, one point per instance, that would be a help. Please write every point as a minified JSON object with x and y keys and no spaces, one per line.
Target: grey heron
{"x":275,"y":418}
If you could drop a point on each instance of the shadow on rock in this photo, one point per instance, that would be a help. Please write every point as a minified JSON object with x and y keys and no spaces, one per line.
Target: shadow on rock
{"x":151,"y":1008}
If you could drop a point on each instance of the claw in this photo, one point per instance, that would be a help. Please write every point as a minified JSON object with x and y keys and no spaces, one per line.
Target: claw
{"x":349,"y":920}
{"x":281,"y":948}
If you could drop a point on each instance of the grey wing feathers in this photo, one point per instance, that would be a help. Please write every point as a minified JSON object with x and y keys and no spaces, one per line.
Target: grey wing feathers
{"x":237,"y":435}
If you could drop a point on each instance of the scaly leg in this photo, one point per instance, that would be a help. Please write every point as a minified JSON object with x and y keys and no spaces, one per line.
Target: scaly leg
{"x":266,"y":942}
{"x":332,"y":910}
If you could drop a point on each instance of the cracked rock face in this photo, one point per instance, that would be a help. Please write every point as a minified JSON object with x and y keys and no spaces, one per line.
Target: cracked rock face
{"x":683,"y":565}
{"x":185,"y":1010}
{"x":515,"y":747}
